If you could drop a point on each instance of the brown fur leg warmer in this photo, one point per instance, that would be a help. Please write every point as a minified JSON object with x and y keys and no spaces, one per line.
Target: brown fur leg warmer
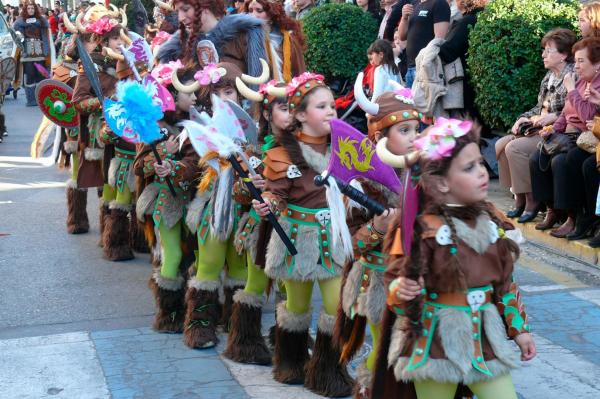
{"x":324,"y":374}
{"x":77,"y":219}
{"x":245,"y":343}
{"x":291,"y":346}
{"x":116,"y":235}
{"x":168,"y":296}
{"x":227,"y":310}
{"x":103,"y":215}
{"x":202,"y":302}
{"x":137,"y":239}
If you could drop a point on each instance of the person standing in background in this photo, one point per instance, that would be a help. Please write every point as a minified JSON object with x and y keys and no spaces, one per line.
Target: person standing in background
{"x":421,"y":23}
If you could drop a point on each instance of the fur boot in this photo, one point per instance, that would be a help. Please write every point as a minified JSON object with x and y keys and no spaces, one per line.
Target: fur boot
{"x":201,"y":316}
{"x":291,"y":346}
{"x":116,"y":233}
{"x":137,"y":238}
{"x":229,"y":289}
{"x":77,"y":219}
{"x":168,"y":295}
{"x":245,"y":343}
{"x":103,"y":215}
{"x":324,"y":374}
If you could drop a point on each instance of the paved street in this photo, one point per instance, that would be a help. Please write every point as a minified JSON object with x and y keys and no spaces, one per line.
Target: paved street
{"x":75,"y":326}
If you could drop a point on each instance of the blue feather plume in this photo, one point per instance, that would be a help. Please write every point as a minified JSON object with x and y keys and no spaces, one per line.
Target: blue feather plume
{"x":142,"y":111}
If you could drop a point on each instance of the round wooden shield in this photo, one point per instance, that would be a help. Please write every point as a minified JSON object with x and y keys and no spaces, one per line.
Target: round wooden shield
{"x":54,"y":99}
{"x":8,"y":69}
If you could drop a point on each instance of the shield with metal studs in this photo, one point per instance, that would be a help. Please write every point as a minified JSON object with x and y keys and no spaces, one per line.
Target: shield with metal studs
{"x":54,"y":99}
{"x":8,"y":69}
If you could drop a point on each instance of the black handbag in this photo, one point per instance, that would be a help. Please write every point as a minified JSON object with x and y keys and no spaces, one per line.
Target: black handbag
{"x":558,"y":143}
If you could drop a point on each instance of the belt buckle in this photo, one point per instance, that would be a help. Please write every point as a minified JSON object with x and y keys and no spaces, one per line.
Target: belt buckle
{"x":475,"y":299}
{"x":323,"y":217}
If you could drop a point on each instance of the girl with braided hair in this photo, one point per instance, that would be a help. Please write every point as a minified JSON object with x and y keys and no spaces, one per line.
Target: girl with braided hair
{"x":206,"y":35}
{"x":452,"y":301}
{"x":284,"y":40}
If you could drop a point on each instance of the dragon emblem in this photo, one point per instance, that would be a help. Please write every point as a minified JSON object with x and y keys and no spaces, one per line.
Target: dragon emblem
{"x":350,"y":157}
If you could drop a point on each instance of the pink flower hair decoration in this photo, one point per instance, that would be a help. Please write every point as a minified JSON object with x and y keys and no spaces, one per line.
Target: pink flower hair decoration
{"x":440,"y":139}
{"x":101,"y":26}
{"x":163,"y":72}
{"x":210,"y":74}
{"x":264,"y":88}
{"x":302,"y":79}
{"x":160,"y":38}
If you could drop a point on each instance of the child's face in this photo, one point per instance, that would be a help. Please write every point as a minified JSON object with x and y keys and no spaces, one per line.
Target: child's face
{"x":467,"y":179}
{"x":280,"y":116}
{"x":376,"y":58}
{"x":319,"y":113}
{"x":401,"y":137}
{"x":114,"y":43}
{"x":185,"y":101}
{"x":227,"y":93}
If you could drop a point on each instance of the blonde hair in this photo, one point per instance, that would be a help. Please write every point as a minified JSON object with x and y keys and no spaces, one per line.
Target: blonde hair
{"x":592,"y":14}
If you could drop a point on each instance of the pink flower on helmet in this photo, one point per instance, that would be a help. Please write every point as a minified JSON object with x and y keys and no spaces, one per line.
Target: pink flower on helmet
{"x":159,"y":39}
{"x":264,"y":88}
{"x":101,"y":26}
{"x":440,"y":139}
{"x":163,"y":72}
{"x":302,"y":79}
{"x":209,"y":74}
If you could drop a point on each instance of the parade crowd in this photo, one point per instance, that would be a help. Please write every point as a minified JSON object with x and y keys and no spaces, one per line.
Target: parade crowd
{"x":231,"y":212}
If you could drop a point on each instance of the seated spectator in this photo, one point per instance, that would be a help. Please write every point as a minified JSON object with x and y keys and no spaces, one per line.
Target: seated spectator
{"x":558,"y":180}
{"x":381,"y":56}
{"x":514,"y":150}
{"x":302,"y":7}
{"x":589,"y":20}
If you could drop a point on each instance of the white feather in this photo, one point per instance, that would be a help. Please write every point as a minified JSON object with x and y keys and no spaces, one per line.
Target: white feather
{"x":339,"y":227}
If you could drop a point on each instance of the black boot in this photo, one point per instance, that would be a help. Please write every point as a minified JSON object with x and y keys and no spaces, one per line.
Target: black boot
{"x":291,"y":346}
{"x":245,"y":343}
{"x":584,"y":227}
{"x":595,"y":242}
{"x":324,"y":373}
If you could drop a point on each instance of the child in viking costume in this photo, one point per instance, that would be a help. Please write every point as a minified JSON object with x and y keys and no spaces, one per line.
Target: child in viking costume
{"x":116,"y":202}
{"x":213,"y":216}
{"x":284,"y":40}
{"x":245,"y":342}
{"x":315,"y":223}
{"x":450,"y":324}
{"x":160,"y":210}
{"x":34,"y":28}
{"x":238,"y":39}
{"x":393,"y":119}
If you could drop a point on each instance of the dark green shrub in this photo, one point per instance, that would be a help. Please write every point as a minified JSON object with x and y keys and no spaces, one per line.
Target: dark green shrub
{"x":504,"y":58}
{"x":337,"y":37}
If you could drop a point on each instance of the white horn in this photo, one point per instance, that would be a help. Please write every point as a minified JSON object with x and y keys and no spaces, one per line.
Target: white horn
{"x":180,"y":87}
{"x":277,"y":91}
{"x":395,"y":161}
{"x":364,"y":103}
{"x":163,"y":5}
{"x":126,"y":39}
{"x":115,"y":11}
{"x":123,"y":16}
{"x":78,"y":23}
{"x":248,"y":92}
{"x":112,"y":54}
{"x":258,"y":79}
{"x":70,"y":27}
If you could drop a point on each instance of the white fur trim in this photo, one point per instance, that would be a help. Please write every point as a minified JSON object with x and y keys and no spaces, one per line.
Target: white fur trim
{"x":317,"y":161}
{"x":233,"y":282}
{"x":70,"y":147}
{"x":71,"y":183}
{"x":249,"y":299}
{"x":167,"y":283}
{"x":93,"y":154}
{"x":203,"y":285}
{"x":122,"y":207}
{"x":195,"y":208}
{"x":326,"y":323}
{"x":479,"y":238}
{"x":292,"y":322}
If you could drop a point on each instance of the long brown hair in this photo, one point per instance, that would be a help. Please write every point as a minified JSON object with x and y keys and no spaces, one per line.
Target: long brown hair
{"x":25,"y":15}
{"x":278,"y":18}
{"x":188,"y":41}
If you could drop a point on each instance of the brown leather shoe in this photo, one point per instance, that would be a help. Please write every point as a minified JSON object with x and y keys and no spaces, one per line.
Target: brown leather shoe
{"x":564,"y":229}
{"x":552,"y":217}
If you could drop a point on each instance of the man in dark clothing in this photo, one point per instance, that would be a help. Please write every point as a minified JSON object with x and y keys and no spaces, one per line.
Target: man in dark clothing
{"x":421,"y":23}
{"x":394,"y":19}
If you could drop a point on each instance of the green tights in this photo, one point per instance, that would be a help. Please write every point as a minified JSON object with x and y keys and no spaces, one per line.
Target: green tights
{"x":170,"y":243}
{"x":257,"y":279}
{"x":212,"y":256}
{"x":373,"y":355}
{"x":499,"y":388}
{"x":110,"y":193}
{"x":299,"y":295}
{"x":74,"y":166}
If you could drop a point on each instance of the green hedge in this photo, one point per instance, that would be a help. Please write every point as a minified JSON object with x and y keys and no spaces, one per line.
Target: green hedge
{"x":505,"y":61}
{"x":337,"y":37}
